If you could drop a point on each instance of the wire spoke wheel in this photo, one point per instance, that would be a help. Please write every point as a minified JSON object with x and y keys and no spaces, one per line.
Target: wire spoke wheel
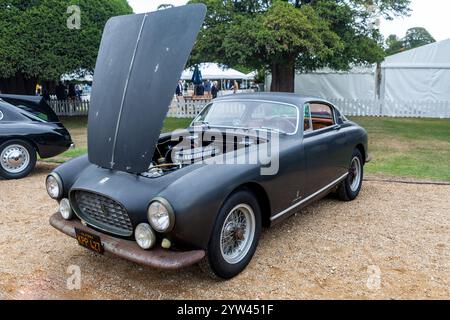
{"x":14,"y":158}
{"x":237,"y":233}
{"x":355,"y":174}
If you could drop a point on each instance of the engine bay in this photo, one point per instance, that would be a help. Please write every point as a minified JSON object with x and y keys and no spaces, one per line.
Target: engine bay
{"x":172,"y":154}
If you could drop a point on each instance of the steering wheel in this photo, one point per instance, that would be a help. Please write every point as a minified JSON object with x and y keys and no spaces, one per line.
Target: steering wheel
{"x":284,"y":124}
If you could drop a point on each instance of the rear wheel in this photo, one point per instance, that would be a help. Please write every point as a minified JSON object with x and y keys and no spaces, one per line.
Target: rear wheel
{"x":17,"y":159}
{"x":349,"y":188}
{"x":235,"y":236}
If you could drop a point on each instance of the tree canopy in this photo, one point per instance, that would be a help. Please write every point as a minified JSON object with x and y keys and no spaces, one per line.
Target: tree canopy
{"x":415,"y":37}
{"x":287,"y":35}
{"x":36,"y":43}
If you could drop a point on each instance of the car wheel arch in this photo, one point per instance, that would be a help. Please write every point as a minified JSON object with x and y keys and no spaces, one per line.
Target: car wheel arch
{"x":262,"y":197}
{"x":361,"y":149}
{"x":20,"y":138}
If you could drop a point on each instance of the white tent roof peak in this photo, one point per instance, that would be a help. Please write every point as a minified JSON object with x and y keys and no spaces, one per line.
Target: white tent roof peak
{"x":214,"y":71}
{"x":432,"y":56}
{"x":252,"y":75}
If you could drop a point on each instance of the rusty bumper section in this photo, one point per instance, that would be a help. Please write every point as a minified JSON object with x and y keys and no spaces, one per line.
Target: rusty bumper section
{"x":129,"y":250}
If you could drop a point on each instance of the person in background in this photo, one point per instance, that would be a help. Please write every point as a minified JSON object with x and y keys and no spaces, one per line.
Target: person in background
{"x":214,"y":89}
{"x":46,"y":95}
{"x":200,"y":90}
{"x":235,"y":86}
{"x":207,"y":84}
{"x":61,"y":91}
{"x":79,"y":91}
{"x":179,"y":90}
{"x":72,"y":93}
{"x":38,"y":92}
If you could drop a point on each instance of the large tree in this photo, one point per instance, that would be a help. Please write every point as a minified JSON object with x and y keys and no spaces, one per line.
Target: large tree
{"x":287,"y":35}
{"x":415,"y":37}
{"x":394,"y":45}
{"x":37,"y":43}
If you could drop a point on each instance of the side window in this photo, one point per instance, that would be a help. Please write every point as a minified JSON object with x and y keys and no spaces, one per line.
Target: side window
{"x":307,"y":118}
{"x":321,"y":116}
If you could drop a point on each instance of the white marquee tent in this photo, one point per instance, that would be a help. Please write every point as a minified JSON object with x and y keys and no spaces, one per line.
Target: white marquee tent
{"x":214,"y":71}
{"x":421,"y":74}
{"x":357,"y":83}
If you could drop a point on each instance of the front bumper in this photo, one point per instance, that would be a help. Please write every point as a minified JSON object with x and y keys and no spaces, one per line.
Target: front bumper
{"x":156,"y":258}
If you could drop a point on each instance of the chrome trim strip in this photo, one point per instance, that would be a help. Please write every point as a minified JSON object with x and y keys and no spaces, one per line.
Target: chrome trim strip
{"x":252,"y":100}
{"x":309,"y":197}
{"x":125,"y":90}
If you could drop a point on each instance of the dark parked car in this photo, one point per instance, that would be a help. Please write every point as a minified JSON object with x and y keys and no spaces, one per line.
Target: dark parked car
{"x":28,"y":127}
{"x":196,"y":195}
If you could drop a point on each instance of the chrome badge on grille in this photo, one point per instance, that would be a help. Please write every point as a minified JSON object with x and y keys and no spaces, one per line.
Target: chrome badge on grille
{"x":104,"y":210}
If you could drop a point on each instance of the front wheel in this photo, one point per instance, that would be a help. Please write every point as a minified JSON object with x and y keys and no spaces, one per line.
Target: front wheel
{"x":349,"y":188}
{"x":235,"y":235}
{"x":17,"y":159}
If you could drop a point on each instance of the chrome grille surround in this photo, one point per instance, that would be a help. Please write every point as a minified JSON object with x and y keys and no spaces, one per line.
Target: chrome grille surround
{"x":102,"y":212}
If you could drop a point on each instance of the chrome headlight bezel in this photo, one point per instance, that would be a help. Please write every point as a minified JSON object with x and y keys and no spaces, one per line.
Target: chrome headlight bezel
{"x":168,"y":211}
{"x":66,"y":203}
{"x":59,"y":183}
{"x":145,"y":228}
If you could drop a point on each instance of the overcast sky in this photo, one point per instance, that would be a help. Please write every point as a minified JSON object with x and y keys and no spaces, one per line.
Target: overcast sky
{"x":431,"y":14}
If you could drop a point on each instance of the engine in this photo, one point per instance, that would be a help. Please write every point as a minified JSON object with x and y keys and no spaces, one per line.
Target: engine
{"x":189,"y":149}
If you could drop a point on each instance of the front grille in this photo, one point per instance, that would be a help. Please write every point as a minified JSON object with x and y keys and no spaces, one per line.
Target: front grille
{"x":103,"y":213}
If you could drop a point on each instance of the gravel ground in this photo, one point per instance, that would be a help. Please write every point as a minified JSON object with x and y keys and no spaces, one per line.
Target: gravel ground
{"x":393,"y":242}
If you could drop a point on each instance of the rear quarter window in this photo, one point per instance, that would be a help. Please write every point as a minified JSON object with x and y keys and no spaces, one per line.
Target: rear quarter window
{"x":34,"y":112}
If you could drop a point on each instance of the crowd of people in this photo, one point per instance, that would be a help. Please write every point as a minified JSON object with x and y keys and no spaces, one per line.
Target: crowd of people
{"x":208,"y":89}
{"x":62,"y":91}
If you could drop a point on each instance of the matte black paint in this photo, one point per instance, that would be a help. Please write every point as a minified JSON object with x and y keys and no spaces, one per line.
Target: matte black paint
{"x":140,"y":60}
{"x":49,"y":138}
{"x":307,"y":163}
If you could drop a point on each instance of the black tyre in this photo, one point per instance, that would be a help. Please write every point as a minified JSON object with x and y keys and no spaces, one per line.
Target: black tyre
{"x":349,"y":188}
{"x":17,"y":159}
{"x":235,"y":235}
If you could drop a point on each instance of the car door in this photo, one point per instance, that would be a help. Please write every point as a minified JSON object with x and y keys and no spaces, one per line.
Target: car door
{"x":323,"y":142}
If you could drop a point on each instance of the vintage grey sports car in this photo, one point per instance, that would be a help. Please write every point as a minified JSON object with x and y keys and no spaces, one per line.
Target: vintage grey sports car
{"x":200,"y":194}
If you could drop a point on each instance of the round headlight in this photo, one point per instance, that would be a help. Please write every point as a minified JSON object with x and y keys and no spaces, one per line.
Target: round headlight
{"x":54,"y":186}
{"x":144,"y":235}
{"x":65,"y":209}
{"x":160,"y":215}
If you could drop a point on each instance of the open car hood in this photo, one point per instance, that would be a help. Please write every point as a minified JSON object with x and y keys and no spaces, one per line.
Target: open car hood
{"x":140,"y":60}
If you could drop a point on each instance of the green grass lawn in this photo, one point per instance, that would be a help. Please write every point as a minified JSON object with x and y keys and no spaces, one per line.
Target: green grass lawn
{"x":416,"y":148}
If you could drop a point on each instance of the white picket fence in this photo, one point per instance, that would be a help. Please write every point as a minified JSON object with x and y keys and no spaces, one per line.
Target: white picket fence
{"x":70,"y":108}
{"x":186,"y":108}
{"x":401,"y":109}
{"x":189,"y":108}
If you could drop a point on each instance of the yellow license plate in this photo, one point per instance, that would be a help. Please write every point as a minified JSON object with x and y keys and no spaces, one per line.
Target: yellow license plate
{"x":89,"y":241}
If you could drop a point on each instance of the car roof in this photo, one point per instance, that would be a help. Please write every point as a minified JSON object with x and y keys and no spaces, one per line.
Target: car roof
{"x":289,"y":98}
